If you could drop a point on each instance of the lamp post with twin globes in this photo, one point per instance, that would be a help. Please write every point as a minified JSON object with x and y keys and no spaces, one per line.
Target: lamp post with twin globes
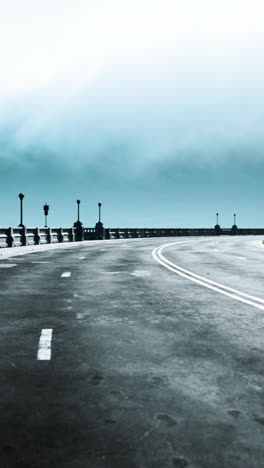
{"x":46,"y":212}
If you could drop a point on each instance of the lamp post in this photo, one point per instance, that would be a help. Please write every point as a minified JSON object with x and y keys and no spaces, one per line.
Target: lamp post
{"x":234,"y":229}
{"x":99,"y":204}
{"x":79,"y":231}
{"x":99,"y":227}
{"x":46,"y":212}
{"x":78,"y":210}
{"x":21,"y":196}
{"x":217,"y":227}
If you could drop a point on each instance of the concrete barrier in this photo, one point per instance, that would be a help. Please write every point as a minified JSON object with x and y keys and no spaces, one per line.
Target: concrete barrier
{"x":89,"y":234}
{"x":3,"y":237}
{"x":19,"y":236}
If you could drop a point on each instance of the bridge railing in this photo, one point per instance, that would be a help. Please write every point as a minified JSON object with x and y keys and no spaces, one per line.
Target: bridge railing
{"x":20,"y":236}
{"x":89,"y":234}
{"x":125,"y":233}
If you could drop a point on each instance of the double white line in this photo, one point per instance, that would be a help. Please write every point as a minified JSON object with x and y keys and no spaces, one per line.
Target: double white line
{"x":220,"y":288}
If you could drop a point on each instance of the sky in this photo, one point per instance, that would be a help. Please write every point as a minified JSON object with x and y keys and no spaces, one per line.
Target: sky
{"x":155,"y":108}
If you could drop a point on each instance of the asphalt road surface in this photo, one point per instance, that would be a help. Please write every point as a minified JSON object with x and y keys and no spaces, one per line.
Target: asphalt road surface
{"x":114,"y":354}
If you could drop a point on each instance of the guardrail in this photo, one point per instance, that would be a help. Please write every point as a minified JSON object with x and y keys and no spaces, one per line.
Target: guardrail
{"x":20,"y":236}
{"x":126,"y":233}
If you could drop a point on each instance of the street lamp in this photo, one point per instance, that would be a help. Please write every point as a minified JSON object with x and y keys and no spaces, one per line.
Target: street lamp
{"x":217,"y":214}
{"x":21,"y":196}
{"x":78,"y":210}
{"x":46,"y":212}
{"x":99,"y":204}
{"x":234,"y":219}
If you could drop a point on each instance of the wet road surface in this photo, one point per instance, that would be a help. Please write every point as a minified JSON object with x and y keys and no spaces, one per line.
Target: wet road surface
{"x":109,"y":359}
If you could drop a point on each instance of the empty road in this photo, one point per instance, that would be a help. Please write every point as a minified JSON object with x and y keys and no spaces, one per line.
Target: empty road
{"x":137,"y":353}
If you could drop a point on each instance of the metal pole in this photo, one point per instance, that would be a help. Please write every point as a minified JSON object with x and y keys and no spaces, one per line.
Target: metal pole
{"x":21,"y":211}
{"x":217,"y":218}
{"x":46,"y":212}
{"x":21,"y":196}
{"x":99,"y":204}
{"x":234,"y":219}
{"x":78,"y":210}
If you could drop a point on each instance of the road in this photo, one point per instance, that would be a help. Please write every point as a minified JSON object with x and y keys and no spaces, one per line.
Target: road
{"x":108,"y":358}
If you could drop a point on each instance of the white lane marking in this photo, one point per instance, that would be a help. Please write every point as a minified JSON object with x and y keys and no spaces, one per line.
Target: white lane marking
{"x":76,"y":295}
{"x":82,"y":258}
{"x":7,"y":265}
{"x":258,"y":244}
{"x":44,"y":350}
{"x":40,"y":262}
{"x":240,"y":258}
{"x":156,"y":253}
{"x":66,"y":274}
{"x":80,"y":316}
{"x":236,"y":291}
{"x":140,"y":273}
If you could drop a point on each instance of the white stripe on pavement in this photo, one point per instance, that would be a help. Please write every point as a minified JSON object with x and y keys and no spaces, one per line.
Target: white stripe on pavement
{"x":258,"y":244}
{"x":156,"y":253}
{"x":44,"y":350}
{"x":7,"y":265}
{"x":66,"y":274}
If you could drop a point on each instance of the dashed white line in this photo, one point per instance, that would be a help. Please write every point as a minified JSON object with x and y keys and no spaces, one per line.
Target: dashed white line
{"x":82,"y":258}
{"x":7,"y":265}
{"x":258,"y":244}
{"x":80,"y":316}
{"x":66,"y":274}
{"x":44,"y":350}
{"x":140,"y":273}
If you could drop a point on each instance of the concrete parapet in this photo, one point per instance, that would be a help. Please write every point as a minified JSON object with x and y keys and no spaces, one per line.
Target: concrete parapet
{"x":20,"y":236}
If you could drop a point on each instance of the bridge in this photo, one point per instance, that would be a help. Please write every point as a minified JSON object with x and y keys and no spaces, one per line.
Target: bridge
{"x":21,"y":236}
{"x":131,"y":352}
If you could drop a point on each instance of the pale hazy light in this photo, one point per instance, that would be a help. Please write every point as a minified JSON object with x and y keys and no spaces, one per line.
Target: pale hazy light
{"x":41,"y":42}
{"x":130,"y":83}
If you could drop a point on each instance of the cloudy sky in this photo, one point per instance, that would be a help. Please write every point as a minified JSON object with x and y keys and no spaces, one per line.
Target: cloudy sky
{"x":153,"y":107}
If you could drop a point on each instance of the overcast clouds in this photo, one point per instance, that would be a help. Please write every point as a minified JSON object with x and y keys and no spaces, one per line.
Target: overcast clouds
{"x":155,"y":103}
{"x":139,"y":82}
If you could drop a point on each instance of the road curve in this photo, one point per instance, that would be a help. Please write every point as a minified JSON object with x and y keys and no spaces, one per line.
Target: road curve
{"x":130,"y":354}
